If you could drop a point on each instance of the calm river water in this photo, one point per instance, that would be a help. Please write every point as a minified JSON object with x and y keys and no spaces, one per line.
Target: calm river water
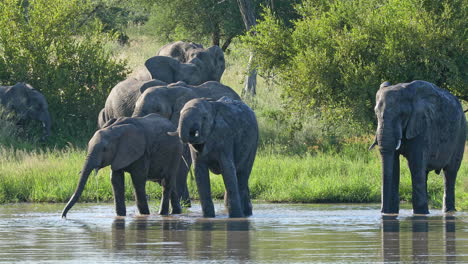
{"x":276,"y":233}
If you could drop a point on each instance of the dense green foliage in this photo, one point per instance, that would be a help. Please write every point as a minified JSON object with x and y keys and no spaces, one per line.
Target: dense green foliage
{"x":337,"y":54}
{"x":204,"y":21}
{"x":48,"y":44}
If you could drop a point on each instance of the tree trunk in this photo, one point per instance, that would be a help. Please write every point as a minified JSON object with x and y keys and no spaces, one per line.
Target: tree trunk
{"x":227,"y":42}
{"x":248,"y":16}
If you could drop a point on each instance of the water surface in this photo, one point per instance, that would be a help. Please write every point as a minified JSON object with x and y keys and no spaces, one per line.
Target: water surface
{"x":276,"y":233}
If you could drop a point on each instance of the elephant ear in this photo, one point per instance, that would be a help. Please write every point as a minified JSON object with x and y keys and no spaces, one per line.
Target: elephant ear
{"x":162,"y":68}
{"x":424,"y":111}
{"x":218,"y":62}
{"x":131,"y":145}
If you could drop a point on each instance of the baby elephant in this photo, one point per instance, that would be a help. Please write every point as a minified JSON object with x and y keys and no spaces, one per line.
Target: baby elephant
{"x":223,"y":138}
{"x":140,"y":146}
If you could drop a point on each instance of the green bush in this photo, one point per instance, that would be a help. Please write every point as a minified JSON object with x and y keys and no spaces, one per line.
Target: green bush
{"x":48,"y":44}
{"x":339,"y":52}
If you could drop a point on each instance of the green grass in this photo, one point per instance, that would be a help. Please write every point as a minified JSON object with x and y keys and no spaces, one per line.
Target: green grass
{"x":351,"y":176}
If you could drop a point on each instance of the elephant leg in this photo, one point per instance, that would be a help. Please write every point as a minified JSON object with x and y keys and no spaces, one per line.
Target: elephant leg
{"x":184,"y":169}
{"x":244,"y":193}
{"x":139,"y":184}
{"x":118,"y":187}
{"x":419,"y":183}
{"x":166,"y":194}
{"x":232,"y":188}
{"x":175,"y":203}
{"x":449,"y":191}
{"x":202,"y":177}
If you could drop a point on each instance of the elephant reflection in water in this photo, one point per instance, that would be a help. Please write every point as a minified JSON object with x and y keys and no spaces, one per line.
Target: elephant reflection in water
{"x":202,"y":239}
{"x":420,"y":239}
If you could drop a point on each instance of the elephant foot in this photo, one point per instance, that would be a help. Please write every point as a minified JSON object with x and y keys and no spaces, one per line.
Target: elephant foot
{"x":423,"y":211}
{"x":389,"y":214}
{"x":176,"y":210}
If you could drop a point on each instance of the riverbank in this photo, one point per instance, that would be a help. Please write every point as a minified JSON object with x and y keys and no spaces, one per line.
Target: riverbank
{"x":350,"y":176}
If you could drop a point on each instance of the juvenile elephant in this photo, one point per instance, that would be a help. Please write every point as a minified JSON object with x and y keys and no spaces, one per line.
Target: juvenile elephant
{"x":121,"y":100}
{"x":169,"y":100}
{"x":195,"y":67}
{"x":27,"y":103}
{"x":223,"y":138}
{"x":427,"y":125}
{"x":141,"y":147}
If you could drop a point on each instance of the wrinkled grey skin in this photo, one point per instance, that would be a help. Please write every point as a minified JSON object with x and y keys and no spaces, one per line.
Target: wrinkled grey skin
{"x":223,"y":138}
{"x":141,"y":147}
{"x":27,"y":103}
{"x":168,"y":101}
{"x":427,"y":125}
{"x":122,"y":98}
{"x":179,"y":50}
{"x":182,"y":61}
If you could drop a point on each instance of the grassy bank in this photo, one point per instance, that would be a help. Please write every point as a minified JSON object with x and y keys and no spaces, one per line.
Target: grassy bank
{"x":351,"y":176}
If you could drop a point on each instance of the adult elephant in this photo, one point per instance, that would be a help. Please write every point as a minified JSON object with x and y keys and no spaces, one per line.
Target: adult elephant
{"x":223,"y":138}
{"x":188,"y":62}
{"x":179,"y":50}
{"x":168,"y":101}
{"x":140,"y":146}
{"x":427,"y":125}
{"x":121,"y":100}
{"x":27,"y":103}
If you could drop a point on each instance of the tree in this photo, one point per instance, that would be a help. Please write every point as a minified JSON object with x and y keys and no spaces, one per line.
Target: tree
{"x":333,"y":60}
{"x":47,"y":44}
{"x":248,"y":16}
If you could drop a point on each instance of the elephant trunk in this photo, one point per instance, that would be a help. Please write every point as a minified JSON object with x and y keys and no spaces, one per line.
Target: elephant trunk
{"x":189,"y":132}
{"x":390,"y":182}
{"x":46,"y":123}
{"x":388,"y":136}
{"x":84,"y":175}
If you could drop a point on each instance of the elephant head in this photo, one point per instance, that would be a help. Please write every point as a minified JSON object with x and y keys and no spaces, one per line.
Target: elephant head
{"x":196,"y":122}
{"x":179,"y":50}
{"x":27,"y":103}
{"x":171,"y":70}
{"x":403,"y":112}
{"x":117,"y":146}
{"x":210,"y":61}
{"x":165,"y":101}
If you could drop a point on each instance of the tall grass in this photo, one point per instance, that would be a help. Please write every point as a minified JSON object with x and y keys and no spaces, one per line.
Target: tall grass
{"x":351,"y":176}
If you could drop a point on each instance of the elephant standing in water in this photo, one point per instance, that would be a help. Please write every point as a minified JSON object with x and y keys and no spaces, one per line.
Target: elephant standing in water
{"x":140,"y":146}
{"x":27,"y":103}
{"x":223,"y":138}
{"x":427,"y":125}
{"x":167,"y":101}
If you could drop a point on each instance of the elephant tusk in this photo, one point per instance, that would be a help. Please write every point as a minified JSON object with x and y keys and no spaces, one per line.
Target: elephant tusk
{"x":373,"y":145}
{"x":197,"y":134}
{"x":398,"y":145}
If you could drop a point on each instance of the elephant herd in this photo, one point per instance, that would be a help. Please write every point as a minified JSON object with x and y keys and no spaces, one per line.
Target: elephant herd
{"x":155,"y":127}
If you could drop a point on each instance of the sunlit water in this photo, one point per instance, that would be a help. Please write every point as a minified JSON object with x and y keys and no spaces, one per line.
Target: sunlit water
{"x":276,"y":233}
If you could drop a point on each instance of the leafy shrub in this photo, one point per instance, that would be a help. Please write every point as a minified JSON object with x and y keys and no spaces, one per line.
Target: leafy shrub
{"x":339,"y":52}
{"x":47,"y":44}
